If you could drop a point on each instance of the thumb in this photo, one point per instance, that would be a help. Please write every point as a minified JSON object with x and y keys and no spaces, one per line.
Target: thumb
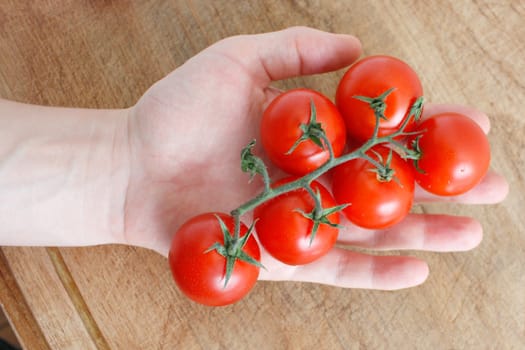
{"x":289,"y":53}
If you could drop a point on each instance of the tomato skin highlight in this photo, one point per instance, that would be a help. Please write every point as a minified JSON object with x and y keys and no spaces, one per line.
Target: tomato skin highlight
{"x":280,"y":129}
{"x":455,"y":154}
{"x":200,"y":274}
{"x":374,"y":204}
{"x":285,"y":233}
{"x":371,"y":77}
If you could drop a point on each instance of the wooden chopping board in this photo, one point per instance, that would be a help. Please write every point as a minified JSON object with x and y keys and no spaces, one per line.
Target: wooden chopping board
{"x":105,"y":54}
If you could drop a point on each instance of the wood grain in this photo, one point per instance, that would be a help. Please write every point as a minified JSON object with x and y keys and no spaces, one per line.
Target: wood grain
{"x":105,"y":54}
{"x":15,"y":306}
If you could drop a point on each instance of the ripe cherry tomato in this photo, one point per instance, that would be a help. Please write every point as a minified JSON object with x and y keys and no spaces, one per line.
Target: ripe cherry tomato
{"x":285,"y":233}
{"x":200,"y":274}
{"x":455,"y":154}
{"x":371,"y":77}
{"x":281,"y":128}
{"x":373,"y":202}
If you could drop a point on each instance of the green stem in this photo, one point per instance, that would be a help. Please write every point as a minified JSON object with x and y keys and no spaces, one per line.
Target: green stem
{"x":318,"y":209}
{"x":265,"y":175}
{"x":304,"y":182}
{"x":374,"y":162}
{"x":328,"y":144}
{"x":237,"y":227}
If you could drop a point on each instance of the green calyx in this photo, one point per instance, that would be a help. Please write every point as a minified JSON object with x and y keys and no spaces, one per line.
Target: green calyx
{"x":312,"y":131}
{"x":319,"y":215}
{"x":377,"y":104}
{"x":321,"y":218}
{"x":382,"y":167}
{"x":232,"y":249}
{"x":415,"y":153}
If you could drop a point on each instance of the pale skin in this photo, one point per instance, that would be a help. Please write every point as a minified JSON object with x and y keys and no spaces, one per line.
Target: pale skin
{"x":77,"y":177}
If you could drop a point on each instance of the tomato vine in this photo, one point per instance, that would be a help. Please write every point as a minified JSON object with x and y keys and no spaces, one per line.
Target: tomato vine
{"x":249,"y":158}
{"x":313,"y":131}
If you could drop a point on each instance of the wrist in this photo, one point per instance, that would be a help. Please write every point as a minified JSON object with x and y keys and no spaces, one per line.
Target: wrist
{"x":111,"y":171}
{"x":63,"y":175}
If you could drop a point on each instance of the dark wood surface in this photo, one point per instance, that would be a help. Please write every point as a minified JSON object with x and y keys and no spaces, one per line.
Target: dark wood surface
{"x":105,"y":54}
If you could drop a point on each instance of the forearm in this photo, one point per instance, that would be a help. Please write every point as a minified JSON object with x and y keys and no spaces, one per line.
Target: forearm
{"x":63,"y":175}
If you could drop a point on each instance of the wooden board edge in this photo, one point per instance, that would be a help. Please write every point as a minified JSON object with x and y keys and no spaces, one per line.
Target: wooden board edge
{"x":17,"y":310}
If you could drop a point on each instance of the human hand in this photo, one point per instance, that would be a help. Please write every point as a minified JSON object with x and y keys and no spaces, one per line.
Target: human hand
{"x":185,"y":137}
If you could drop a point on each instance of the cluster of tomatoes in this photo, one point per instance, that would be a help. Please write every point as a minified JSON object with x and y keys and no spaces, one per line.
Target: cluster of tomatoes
{"x":374,"y":146}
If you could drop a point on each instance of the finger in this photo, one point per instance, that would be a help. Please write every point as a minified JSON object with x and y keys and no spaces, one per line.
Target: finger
{"x":348,"y":269}
{"x":290,"y":52}
{"x":492,"y":189}
{"x":440,"y":233}
{"x":479,"y":117}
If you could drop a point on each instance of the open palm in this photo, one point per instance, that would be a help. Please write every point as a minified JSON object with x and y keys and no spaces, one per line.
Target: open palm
{"x":185,"y":137}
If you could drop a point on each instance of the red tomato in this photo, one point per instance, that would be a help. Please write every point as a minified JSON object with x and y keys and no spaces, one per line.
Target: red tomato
{"x":374,"y":203}
{"x":371,"y":77}
{"x":455,"y":154}
{"x":281,"y":128}
{"x":200,"y":274}
{"x":285,"y":233}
